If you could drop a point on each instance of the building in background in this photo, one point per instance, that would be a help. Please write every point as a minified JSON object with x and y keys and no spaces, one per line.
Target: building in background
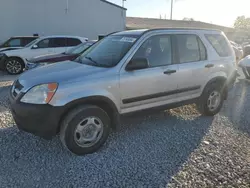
{"x":88,"y":18}
{"x":151,"y":23}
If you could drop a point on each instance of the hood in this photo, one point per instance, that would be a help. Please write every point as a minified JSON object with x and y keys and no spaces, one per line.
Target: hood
{"x":14,"y":51}
{"x":58,"y":72}
{"x":52,"y":58}
{"x":9,"y":48}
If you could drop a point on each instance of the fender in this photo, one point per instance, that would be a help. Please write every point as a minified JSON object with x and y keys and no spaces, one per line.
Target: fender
{"x":63,"y":98}
{"x":215,"y":76}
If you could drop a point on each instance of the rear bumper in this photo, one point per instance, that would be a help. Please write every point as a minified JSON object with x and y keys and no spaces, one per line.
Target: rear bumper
{"x":40,"y":120}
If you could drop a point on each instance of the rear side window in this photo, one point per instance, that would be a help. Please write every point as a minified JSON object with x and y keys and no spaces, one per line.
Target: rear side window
{"x":58,"y":42}
{"x":190,"y":48}
{"x":220,"y":44}
{"x":26,"y":41}
{"x":73,"y":42}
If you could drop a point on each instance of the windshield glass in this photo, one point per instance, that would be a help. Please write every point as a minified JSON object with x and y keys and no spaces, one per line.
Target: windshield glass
{"x":31,"y":43}
{"x":79,"y":49}
{"x":108,"y":51}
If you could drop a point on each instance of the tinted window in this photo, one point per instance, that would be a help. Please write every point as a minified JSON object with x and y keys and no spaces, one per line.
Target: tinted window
{"x":73,"y":42}
{"x":203,"y":51}
{"x":108,"y":52}
{"x":26,"y":41}
{"x":157,"y":50}
{"x":58,"y":42}
{"x":220,"y":44}
{"x":80,"y":48}
{"x":32,"y":43}
{"x":44,"y":43}
{"x":190,"y":48}
{"x":14,"y":42}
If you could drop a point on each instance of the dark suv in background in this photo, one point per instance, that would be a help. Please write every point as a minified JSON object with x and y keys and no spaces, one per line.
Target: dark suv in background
{"x":16,"y":42}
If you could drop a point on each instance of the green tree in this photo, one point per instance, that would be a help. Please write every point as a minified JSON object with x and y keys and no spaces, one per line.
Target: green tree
{"x":242,"y":22}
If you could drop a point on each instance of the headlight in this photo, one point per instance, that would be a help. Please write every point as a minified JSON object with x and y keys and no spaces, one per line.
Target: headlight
{"x":40,"y":94}
{"x":31,"y":65}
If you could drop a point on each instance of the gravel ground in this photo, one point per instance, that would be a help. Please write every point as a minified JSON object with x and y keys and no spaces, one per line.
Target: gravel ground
{"x":175,"y":148}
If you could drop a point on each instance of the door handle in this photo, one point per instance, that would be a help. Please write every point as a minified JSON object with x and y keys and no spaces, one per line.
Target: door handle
{"x":169,"y":71}
{"x":209,"y":65}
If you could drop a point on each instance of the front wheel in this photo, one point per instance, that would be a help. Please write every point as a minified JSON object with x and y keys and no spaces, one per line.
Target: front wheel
{"x":14,"y":66}
{"x":212,"y":99}
{"x":85,"y":129}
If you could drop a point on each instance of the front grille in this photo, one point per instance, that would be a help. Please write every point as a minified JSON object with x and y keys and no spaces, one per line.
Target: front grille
{"x":16,"y":89}
{"x":18,"y":85}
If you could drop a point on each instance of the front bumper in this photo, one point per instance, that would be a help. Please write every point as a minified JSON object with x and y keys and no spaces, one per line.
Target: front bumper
{"x":2,"y":61}
{"x":40,"y":120}
{"x":29,"y":66}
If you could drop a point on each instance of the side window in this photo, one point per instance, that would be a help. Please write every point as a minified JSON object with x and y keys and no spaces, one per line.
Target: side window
{"x":44,"y":43}
{"x":73,"y":42}
{"x":203,"y":51}
{"x":157,"y":50}
{"x":26,"y":41}
{"x":14,"y":42}
{"x":58,"y":42}
{"x":188,"y":48}
{"x":220,"y":44}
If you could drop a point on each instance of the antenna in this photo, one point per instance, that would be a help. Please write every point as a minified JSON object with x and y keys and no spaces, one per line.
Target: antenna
{"x":171,"y":12}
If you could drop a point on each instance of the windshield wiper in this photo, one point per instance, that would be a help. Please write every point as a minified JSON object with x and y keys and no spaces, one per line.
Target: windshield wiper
{"x":93,"y":61}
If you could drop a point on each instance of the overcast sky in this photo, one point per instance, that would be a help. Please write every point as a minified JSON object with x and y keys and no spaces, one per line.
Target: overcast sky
{"x":222,"y":12}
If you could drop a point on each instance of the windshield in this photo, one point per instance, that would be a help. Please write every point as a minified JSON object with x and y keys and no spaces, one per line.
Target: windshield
{"x":79,"y":49}
{"x":108,"y":52}
{"x":31,"y":43}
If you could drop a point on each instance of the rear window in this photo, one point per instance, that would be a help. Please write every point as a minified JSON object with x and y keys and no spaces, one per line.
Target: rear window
{"x":220,"y":44}
{"x":73,"y":42}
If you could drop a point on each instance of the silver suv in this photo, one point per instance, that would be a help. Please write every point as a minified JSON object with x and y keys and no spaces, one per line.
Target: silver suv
{"x":125,"y":72}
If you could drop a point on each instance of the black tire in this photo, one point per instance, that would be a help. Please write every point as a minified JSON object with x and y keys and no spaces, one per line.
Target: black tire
{"x":203,"y":102}
{"x":74,"y":117}
{"x":18,"y":62}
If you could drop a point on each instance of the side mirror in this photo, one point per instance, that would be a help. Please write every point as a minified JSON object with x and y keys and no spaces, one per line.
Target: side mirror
{"x":34,"y":46}
{"x":137,"y":64}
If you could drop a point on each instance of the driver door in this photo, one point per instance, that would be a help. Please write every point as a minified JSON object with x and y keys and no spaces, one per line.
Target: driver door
{"x":152,"y":86}
{"x":42,"y":47}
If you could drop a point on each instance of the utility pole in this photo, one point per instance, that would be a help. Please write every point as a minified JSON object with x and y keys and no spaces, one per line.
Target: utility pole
{"x":171,"y":12}
{"x":123,"y":3}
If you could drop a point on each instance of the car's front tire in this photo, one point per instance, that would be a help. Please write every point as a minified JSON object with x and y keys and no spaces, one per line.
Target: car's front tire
{"x":85,"y":129}
{"x":212,"y":99}
{"x":14,"y":65}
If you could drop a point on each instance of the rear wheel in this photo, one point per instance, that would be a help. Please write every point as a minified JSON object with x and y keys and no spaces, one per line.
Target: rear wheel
{"x":212,"y":99}
{"x":14,"y":65}
{"x":85,"y":129}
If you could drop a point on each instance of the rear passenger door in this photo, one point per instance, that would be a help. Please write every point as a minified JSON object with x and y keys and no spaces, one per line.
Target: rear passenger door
{"x":59,"y":45}
{"x":192,"y":59}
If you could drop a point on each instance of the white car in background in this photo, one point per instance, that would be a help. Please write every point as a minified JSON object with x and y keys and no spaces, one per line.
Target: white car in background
{"x":14,"y":61}
{"x":245,"y":65}
{"x":238,"y":50}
